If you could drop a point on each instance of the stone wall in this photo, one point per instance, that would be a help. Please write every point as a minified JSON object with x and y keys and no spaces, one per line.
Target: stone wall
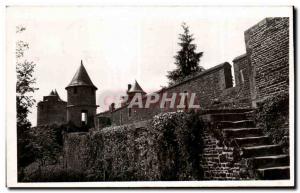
{"x":242,"y":75}
{"x":219,"y":162}
{"x":267,"y":45}
{"x":207,"y":85}
{"x":239,"y":95}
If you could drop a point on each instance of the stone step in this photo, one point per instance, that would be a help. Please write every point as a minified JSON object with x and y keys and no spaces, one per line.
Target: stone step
{"x":274,"y":173}
{"x":224,"y":117}
{"x":271,"y":161}
{"x":235,"y":124}
{"x":253,"y":141}
{"x":258,"y":151}
{"x":240,"y":132}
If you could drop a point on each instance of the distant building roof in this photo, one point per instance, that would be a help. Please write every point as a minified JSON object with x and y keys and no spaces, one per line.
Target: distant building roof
{"x":136,"y":88}
{"x":54,"y":93}
{"x":81,"y":78}
{"x":51,"y":93}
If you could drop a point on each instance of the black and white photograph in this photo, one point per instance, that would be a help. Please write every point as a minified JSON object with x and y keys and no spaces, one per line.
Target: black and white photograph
{"x":150,"y":96}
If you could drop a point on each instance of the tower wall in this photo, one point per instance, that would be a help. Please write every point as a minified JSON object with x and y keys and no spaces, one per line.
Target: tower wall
{"x":267,"y":46}
{"x":51,"y":111}
{"x":81,"y":98}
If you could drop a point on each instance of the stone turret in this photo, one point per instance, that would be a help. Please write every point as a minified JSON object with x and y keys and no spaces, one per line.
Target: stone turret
{"x":52,"y":110}
{"x":132,"y":90}
{"x":81,"y":107}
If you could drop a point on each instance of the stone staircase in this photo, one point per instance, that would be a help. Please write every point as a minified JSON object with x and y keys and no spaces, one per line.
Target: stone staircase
{"x":267,"y":160}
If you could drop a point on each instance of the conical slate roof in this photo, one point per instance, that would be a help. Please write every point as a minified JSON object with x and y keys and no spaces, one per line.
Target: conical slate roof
{"x":136,"y":88}
{"x":51,"y":93}
{"x":81,"y":78}
{"x":56,"y":94}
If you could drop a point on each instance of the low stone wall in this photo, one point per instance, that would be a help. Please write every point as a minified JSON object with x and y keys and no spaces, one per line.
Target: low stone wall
{"x":219,"y":162}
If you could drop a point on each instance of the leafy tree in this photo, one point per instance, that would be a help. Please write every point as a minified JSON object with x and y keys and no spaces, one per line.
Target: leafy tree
{"x":45,"y":142}
{"x":187,"y":59}
{"x":24,"y":87}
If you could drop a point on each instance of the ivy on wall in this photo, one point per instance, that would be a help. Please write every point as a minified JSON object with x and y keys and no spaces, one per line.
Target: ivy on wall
{"x":168,"y":148}
{"x":272,"y":115}
{"x":179,"y":145}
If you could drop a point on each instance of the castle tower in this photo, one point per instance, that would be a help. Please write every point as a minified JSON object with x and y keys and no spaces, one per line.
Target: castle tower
{"x":131,"y":91}
{"x":52,"y":110}
{"x":81,"y":107}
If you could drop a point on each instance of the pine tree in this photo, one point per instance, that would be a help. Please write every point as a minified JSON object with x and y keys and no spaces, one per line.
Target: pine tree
{"x":187,"y":59}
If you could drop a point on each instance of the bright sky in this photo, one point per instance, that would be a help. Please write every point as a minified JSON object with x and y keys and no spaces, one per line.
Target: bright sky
{"x":121,"y":44}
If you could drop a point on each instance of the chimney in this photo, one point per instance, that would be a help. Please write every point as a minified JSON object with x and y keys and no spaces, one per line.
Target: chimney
{"x":112,"y":107}
{"x":123,"y":101}
{"x":128,"y":87}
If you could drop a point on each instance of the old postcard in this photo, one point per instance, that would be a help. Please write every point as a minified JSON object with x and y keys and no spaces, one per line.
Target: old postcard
{"x":150,"y":96}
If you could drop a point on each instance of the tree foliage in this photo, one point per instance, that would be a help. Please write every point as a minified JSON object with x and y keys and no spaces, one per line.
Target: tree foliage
{"x":24,"y":87}
{"x":187,"y":59}
{"x":46,"y":143}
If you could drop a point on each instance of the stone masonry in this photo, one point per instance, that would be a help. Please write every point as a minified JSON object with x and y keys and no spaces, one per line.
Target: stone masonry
{"x":267,"y":45}
{"x":52,"y":110}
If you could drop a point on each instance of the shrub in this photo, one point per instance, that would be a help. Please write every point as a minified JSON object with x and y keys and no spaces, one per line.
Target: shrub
{"x":273,"y":115}
{"x":165,"y":148}
{"x":121,"y":153}
{"x":54,"y":173}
